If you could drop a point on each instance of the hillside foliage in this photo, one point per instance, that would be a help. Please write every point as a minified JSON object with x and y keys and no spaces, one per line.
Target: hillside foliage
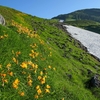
{"x":39,"y":60}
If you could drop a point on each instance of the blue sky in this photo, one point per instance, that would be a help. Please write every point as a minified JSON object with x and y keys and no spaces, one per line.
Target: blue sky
{"x":49,"y":8}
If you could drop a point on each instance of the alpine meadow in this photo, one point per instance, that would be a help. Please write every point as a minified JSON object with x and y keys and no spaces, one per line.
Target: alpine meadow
{"x":39,"y":60}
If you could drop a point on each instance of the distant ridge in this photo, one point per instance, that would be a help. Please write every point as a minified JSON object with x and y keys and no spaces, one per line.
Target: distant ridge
{"x":84,"y":14}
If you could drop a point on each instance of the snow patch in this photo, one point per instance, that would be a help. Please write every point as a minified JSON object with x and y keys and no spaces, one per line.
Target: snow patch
{"x":61,"y":21}
{"x":89,"y":39}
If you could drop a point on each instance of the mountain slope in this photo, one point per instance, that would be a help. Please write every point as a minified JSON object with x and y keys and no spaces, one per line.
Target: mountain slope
{"x":88,"y":19}
{"x":85,"y":14}
{"x":39,"y":60}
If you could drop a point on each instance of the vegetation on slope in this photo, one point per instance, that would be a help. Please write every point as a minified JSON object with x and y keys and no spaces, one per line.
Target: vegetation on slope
{"x":85,"y":14}
{"x":40,"y":61}
{"x":88,"y":19}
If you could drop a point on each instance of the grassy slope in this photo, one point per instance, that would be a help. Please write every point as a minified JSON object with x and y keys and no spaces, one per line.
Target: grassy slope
{"x":56,"y":54}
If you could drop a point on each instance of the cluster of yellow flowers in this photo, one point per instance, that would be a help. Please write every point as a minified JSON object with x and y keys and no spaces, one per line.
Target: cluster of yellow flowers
{"x":25,"y":30}
{"x":50,"y":67}
{"x":15,"y":60}
{"x":18,"y":53}
{"x":29,"y":65}
{"x":41,"y":41}
{"x":3,"y":77}
{"x":4,"y":74}
{"x":16,"y":83}
{"x":40,"y":88}
{"x":33,"y":45}
{"x":47,"y":89}
{"x":24,"y":65}
{"x":29,"y":68}
{"x":3,"y":36}
{"x":29,"y":78}
{"x":40,"y":91}
{"x":10,"y":73}
{"x":42,"y":79}
{"x":33,"y":54}
{"x":8,"y":66}
{"x":33,"y":35}
{"x":20,"y":27}
{"x":21,"y":93}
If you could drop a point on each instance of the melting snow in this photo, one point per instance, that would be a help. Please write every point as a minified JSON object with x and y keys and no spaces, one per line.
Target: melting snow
{"x":89,"y":39}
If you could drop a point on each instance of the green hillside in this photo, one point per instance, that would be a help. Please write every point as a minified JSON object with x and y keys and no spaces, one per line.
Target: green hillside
{"x":87,"y":18}
{"x":84,"y":14}
{"x":39,"y":60}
